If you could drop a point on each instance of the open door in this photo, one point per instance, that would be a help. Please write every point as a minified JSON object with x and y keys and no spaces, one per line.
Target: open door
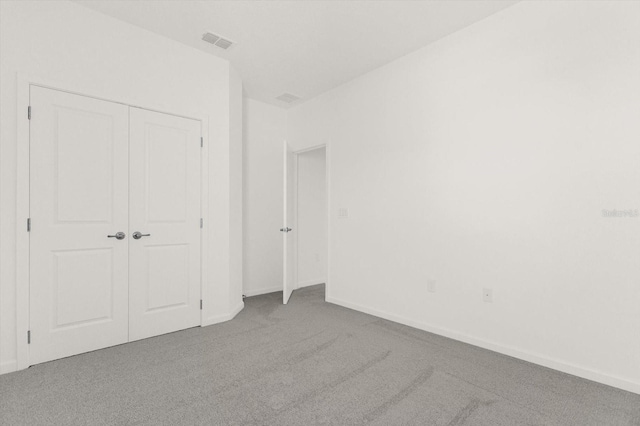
{"x":287,"y":237}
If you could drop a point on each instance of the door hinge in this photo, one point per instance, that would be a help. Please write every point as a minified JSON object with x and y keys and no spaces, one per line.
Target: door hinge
{"x":200,"y":304}
{"x":28,"y":224}
{"x":28,"y":337}
{"x":29,"y":112}
{"x":201,"y":141}
{"x":201,"y":223}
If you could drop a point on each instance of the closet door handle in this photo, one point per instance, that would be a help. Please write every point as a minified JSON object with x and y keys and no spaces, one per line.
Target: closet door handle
{"x":117,"y":236}
{"x":137,"y":235}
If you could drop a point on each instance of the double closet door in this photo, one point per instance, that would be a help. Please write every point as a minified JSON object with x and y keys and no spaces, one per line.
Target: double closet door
{"x":115,"y":224}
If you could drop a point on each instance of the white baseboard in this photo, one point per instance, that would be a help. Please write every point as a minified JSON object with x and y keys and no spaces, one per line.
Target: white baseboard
{"x":260,"y":291}
{"x":8,"y":366}
{"x":224,"y":317}
{"x":12,"y":365}
{"x":308,"y":283}
{"x":555,"y":364}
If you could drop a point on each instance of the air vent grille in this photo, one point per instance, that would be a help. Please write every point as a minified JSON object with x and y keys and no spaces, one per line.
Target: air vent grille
{"x":288,"y":98}
{"x":210,"y":38}
{"x":224,"y":43}
{"x":216,"y":40}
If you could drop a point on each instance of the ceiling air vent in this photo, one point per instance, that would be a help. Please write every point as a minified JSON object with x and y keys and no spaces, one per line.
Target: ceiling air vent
{"x":224,"y":43}
{"x":216,"y":40}
{"x":288,"y":98}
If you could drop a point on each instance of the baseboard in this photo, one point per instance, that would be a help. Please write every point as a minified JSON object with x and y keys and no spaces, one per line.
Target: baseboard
{"x":224,"y":317}
{"x":542,"y":360}
{"x":308,"y":283}
{"x":12,"y":365}
{"x":260,"y":291}
{"x":8,"y":366}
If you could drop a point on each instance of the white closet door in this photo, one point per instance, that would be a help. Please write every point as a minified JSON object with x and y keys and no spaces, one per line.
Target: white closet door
{"x":79,"y":196}
{"x":164,"y":197}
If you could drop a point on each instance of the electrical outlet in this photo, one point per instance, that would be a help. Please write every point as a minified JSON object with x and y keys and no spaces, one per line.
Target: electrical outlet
{"x":343,"y":213}
{"x":487,"y":295}
{"x":431,"y":285}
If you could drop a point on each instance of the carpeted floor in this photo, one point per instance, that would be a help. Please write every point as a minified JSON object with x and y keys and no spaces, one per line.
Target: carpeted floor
{"x":306,"y":363}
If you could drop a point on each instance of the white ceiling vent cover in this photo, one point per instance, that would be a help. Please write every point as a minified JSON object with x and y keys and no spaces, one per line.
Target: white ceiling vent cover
{"x":216,"y":40}
{"x":224,"y":43}
{"x":288,"y":98}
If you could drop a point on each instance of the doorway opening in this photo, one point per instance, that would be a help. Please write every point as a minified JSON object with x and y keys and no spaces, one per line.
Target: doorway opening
{"x":311,"y":218}
{"x":306,"y":219}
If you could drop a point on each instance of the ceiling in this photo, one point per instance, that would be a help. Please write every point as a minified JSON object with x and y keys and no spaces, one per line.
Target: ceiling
{"x":302,"y":47}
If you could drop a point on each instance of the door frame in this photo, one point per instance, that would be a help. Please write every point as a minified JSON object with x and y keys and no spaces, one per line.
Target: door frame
{"x":23,"y":195}
{"x":296,"y":155}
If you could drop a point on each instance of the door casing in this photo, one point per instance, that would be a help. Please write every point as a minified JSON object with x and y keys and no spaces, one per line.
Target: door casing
{"x":23,"y":170}
{"x":294,"y":220}
{"x":296,"y":176}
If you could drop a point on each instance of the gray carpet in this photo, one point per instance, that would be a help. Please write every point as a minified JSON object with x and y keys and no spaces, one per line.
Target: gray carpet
{"x":306,"y":363}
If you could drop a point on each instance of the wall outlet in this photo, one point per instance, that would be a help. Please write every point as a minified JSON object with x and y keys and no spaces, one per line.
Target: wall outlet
{"x":431,"y":285}
{"x":343,"y":213}
{"x":487,"y":295}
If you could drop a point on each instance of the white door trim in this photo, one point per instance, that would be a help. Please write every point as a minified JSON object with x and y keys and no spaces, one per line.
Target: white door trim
{"x":289,"y":271}
{"x":296,"y":154}
{"x":24,"y":82}
{"x":294,"y":219}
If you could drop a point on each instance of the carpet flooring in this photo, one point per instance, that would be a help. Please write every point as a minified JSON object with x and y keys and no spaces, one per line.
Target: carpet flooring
{"x":306,"y":363}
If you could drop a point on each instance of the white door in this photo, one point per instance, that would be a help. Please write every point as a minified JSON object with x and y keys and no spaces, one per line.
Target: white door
{"x":287,"y":235}
{"x":78,"y":198}
{"x":164,"y":202}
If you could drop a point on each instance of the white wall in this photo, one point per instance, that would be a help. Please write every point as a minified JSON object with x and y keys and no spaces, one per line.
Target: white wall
{"x":264,"y":133}
{"x":311,"y":218}
{"x":79,"y":49}
{"x":235,"y":190}
{"x":485,"y":160}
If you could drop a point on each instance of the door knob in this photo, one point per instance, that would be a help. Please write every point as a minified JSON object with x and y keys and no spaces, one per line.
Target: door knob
{"x":117,"y":236}
{"x":137,"y":235}
{"x":286,"y":229}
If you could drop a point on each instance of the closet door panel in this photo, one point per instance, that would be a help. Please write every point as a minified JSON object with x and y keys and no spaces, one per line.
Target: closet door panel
{"x":165,"y":211}
{"x":78,"y":197}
